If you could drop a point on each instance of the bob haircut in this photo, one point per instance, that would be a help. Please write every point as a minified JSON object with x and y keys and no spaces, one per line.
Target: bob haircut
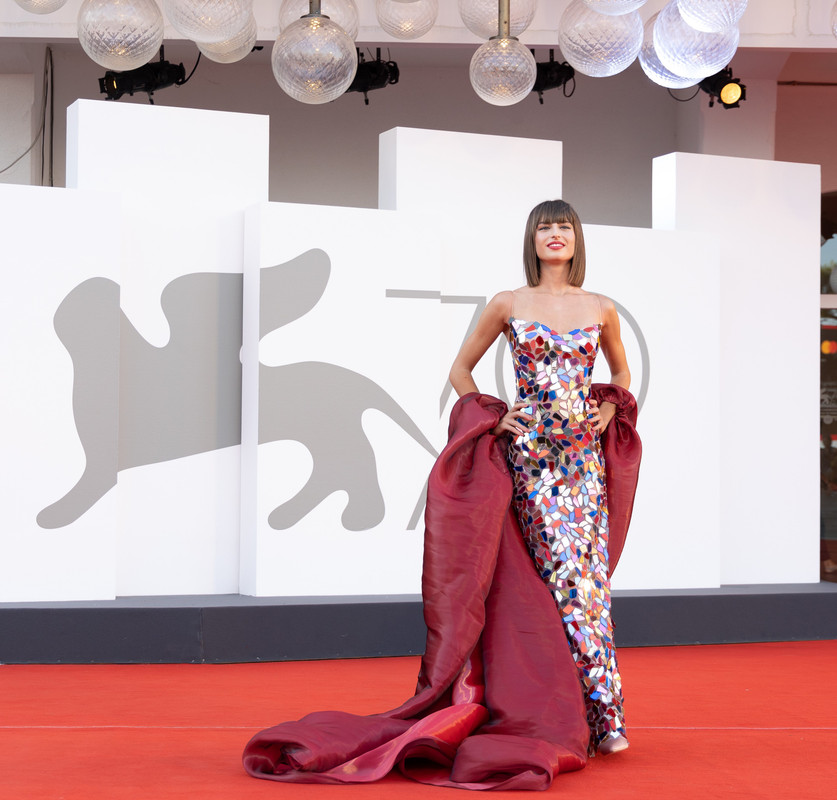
{"x":553,"y":211}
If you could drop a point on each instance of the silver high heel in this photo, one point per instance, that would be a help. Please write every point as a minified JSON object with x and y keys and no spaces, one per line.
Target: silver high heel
{"x":613,"y":743}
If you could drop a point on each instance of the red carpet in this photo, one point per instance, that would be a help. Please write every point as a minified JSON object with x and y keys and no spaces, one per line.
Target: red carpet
{"x":715,"y":721}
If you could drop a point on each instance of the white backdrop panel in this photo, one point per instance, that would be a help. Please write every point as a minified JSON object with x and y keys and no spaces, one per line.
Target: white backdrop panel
{"x":341,"y":421}
{"x":449,"y":174}
{"x":478,"y":190}
{"x":185,"y":177}
{"x":53,"y":244}
{"x":765,"y":216}
{"x":482,"y":189}
{"x":349,"y":317}
{"x":674,"y":539}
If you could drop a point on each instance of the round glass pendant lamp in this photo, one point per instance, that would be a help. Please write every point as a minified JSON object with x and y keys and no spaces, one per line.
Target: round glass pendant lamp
{"x":688,"y":52}
{"x":120,"y":34}
{"x":711,"y":16}
{"x":614,"y":7}
{"x":503,"y":71}
{"x":40,"y":6}
{"x":234,"y":49}
{"x":653,"y":67}
{"x":481,"y":17}
{"x":208,"y":21}
{"x":597,"y":44}
{"x":314,"y":60}
{"x":343,"y":12}
{"x":406,"y":19}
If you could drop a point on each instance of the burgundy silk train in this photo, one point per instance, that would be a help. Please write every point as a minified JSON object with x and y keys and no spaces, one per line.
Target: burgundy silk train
{"x":498,"y":703}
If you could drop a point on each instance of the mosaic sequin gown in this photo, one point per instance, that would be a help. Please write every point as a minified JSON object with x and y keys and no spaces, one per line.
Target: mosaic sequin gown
{"x":560,"y":497}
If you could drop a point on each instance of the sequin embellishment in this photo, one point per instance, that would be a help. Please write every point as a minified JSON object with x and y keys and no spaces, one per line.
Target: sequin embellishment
{"x":561,"y":501}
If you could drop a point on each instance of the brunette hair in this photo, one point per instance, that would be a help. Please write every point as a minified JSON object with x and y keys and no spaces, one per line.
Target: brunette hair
{"x":553,"y":211}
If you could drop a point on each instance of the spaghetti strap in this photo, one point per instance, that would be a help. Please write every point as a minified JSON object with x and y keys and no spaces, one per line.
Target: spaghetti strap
{"x":514,"y":296}
{"x":601,"y":316}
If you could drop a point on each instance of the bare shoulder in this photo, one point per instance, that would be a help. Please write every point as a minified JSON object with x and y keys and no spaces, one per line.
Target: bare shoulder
{"x":605,"y":303}
{"x":501,"y":298}
{"x":610,"y":316}
{"x":608,"y":306}
{"x":500,"y":305}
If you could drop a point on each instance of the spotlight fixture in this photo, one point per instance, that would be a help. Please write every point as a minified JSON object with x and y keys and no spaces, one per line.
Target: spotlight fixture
{"x":721,"y":86}
{"x":147,"y":78}
{"x":553,"y":74}
{"x":373,"y":74}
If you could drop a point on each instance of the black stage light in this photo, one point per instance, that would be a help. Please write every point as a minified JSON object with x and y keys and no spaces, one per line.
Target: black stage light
{"x":373,"y":74}
{"x":147,"y":78}
{"x":721,"y":86}
{"x":553,"y":74}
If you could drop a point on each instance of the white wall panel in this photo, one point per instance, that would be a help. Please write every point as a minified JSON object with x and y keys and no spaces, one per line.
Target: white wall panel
{"x":59,"y":280}
{"x":765,"y":217}
{"x":479,"y":190}
{"x":668,"y":282}
{"x":482,"y":213}
{"x":344,"y":403}
{"x":185,"y":178}
{"x":346,"y":349}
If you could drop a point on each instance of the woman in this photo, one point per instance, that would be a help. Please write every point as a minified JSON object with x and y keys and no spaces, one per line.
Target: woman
{"x":498,"y":704}
{"x":555,"y":329}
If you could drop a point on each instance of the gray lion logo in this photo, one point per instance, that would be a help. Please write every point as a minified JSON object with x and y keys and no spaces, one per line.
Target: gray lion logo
{"x":151,"y":397}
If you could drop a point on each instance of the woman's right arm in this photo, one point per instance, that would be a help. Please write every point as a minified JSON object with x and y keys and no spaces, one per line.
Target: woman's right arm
{"x":491,"y":324}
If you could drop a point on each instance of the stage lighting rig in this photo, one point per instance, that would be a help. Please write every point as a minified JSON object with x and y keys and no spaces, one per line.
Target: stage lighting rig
{"x":553,"y":74}
{"x":373,"y":74}
{"x":721,"y":86}
{"x":148,"y":78}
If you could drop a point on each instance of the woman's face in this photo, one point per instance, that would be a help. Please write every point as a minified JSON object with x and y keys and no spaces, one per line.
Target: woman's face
{"x":555,"y":242}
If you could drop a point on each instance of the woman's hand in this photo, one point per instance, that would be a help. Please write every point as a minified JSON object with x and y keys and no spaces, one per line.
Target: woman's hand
{"x":511,"y":422}
{"x":599,"y":418}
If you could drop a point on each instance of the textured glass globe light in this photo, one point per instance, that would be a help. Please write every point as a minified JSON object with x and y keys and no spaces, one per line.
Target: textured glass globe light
{"x":406,"y":19}
{"x":120,"y":34}
{"x":711,"y":16}
{"x":40,"y":6}
{"x":652,"y":66}
{"x":233,"y":49}
{"x":690,"y":53}
{"x":614,"y":7}
{"x":208,"y":21}
{"x":343,"y":12}
{"x":596,"y":44}
{"x":314,"y":60}
{"x":480,"y":16}
{"x":503,"y":71}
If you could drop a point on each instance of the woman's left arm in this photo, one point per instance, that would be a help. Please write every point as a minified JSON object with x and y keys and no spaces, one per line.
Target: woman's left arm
{"x":614,"y":353}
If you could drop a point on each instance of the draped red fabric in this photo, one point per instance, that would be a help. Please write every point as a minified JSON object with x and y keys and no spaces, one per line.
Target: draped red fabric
{"x":498,"y":703}
{"x":622,"y":454}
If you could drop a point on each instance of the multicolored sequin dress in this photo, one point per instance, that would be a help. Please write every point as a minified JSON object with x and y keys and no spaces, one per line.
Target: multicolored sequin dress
{"x":561,"y":500}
